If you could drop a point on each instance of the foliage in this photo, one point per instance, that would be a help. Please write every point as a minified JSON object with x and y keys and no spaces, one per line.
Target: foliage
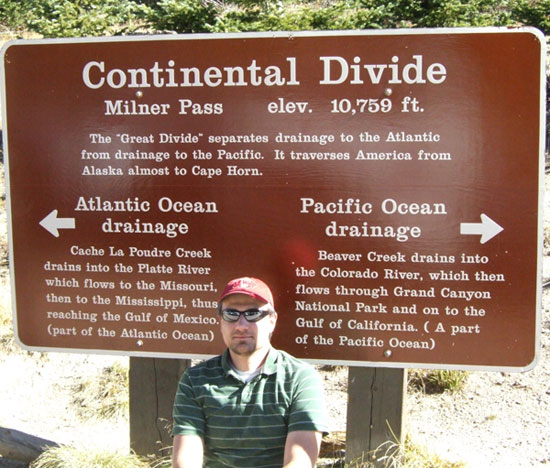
{"x":190,"y":16}
{"x":73,"y":18}
{"x":437,"y":381}
{"x":457,"y":13}
{"x":533,"y":12}
{"x":339,"y":15}
{"x":70,"y":457}
{"x":104,"y":396}
{"x":295,"y":15}
{"x":69,"y":18}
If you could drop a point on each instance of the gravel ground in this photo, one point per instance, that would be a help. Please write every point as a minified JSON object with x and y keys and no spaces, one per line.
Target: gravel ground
{"x":499,"y":420}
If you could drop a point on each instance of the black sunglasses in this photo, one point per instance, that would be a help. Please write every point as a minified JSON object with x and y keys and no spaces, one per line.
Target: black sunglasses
{"x":251,"y":315}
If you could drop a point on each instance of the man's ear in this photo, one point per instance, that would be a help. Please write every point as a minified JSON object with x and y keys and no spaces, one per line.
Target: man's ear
{"x":273,"y":320}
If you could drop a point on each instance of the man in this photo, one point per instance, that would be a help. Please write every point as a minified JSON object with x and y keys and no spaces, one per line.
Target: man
{"x":253,"y":406}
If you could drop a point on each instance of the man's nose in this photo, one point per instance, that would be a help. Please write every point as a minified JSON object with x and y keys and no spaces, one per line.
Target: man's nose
{"x":242,"y":322}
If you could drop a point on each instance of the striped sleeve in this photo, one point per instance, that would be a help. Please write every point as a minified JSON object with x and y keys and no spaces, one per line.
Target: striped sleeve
{"x":188,"y":413}
{"x":308,"y":410}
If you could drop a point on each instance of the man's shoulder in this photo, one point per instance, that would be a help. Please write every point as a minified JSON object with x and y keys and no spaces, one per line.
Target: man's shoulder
{"x":289,"y":358}
{"x":207,"y":367}
{"x":290,"y":364}
{"x":305,"y":386}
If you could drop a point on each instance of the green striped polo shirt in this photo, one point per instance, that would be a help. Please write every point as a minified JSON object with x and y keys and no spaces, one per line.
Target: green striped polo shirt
{"x":246,"y":424}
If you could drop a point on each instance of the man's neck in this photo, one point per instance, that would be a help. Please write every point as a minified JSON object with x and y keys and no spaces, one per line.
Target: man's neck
{"x":248,"y":363}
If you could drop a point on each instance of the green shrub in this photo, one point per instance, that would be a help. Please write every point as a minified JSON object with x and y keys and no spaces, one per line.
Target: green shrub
{"x":246,"y":16}
{"x":272,"y":17}
{"x":533,"y":13}
{"x":12,"y":15}
{"x":457,"y":13}
{"x":184,"y":16}
{"x":287,"y":15}
{"x":56,"y":18}
{"x":73,"y":18}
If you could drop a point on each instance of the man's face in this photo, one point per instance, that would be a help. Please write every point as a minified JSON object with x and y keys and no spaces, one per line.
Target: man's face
{"x":241,"y":337}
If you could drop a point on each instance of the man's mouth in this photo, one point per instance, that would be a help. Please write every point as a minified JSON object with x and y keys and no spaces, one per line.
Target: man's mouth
{"x":242,"y":338}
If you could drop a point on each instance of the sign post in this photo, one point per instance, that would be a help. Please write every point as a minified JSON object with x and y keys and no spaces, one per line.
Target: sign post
{"x":152,"y":383}
{"x":387,"y":185}
{"x":375,"y":413}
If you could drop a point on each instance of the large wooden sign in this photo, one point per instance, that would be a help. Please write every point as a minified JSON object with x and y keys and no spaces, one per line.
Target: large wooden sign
{"x":386,"y":185}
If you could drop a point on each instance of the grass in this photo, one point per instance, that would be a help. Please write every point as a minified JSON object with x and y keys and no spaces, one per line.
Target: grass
{"x":392,"y":455}
{"x":70,"y":457}
{"x":411,"y":455}
{"x":103,"y":396}
{"x":407,"y":454}
{"x":437,"y":381}
{"x":65,"y":456}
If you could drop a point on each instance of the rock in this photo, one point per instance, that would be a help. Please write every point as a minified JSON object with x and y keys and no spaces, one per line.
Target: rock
{"x":7,"y":463}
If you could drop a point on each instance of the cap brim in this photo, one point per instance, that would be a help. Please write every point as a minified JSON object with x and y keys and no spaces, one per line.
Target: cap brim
{"x":246,"y":293}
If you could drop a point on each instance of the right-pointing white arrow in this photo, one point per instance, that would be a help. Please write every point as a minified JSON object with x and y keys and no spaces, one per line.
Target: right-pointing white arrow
{"x":52,"y":223}
{"x":487,"y":228}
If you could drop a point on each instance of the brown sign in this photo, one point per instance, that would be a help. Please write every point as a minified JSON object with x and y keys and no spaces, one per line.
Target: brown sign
{"x":386,"y":185}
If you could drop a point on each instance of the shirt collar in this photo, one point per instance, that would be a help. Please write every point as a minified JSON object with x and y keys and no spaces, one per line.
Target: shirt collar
{"x":270,"y":364}
{"x":269,"y":367}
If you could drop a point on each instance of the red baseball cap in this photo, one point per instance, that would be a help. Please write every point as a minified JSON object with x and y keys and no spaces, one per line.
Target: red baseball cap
{"x":249,"y":286}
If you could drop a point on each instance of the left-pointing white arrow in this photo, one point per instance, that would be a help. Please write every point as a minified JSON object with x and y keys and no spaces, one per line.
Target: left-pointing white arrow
{"x":487,"y":228}
{"x":52,"y":223}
